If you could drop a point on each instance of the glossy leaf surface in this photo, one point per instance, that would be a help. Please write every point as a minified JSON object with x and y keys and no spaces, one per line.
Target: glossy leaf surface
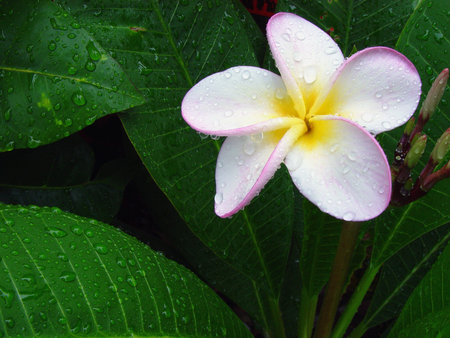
{"x":425,"y":42}
{"x":426,"y":314}
{"x":64,"y":275}
{"x":55,"y":78}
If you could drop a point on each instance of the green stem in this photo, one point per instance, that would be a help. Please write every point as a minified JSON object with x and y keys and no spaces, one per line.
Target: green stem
{"x":278,"y":329}
{"x":359,"y":331}
{"x":355,"y":302}
{"x":338,"y":277}
{"x":308,"y":307}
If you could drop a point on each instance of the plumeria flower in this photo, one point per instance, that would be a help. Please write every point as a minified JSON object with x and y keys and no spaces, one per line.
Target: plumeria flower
{"x":318,"y":118}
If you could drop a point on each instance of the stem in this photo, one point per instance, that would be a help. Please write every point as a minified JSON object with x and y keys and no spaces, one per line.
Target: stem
{"x":359,"y":331}
{"x":355,"y":302}
{"x":278,"y":331}
{"x":307,"y":314}
{"x":338,"y":277}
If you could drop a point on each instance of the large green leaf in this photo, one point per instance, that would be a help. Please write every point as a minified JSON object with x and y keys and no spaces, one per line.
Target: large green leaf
{"x":402,"y":273}
{"x":425,"y":41}
{"x":171,"y":47}
{"x":354,"y":23}
{"x":55,"y":78}
{"x":64,"y":275}
{"x":59,"y":175}
{"x":427,"y":312}
{"x":239,"y":287}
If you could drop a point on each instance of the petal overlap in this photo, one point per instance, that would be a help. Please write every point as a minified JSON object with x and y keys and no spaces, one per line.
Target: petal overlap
{"x":239,"y":101}
{"x":378,"y":88}
{"x":341,"y":168}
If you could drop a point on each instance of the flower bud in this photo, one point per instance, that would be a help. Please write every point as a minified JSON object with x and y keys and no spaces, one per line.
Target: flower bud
{"x":416,"y":151}
{"x":434,"y":95}
{"x":441,"y":147}
{"x":435,"y":177}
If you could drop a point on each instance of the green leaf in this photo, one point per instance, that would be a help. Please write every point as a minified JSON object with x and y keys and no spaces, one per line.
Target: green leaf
{"x":59,"y":174}
{"x":402,"y":273}
{"x":421,"y":42}
{"x":64,"y":275}
{"x":320,"y":241}
{"x":55,"y":79}
{"x":427,"y":312}
{"x":354,"y":23}
{"x":171,"y":47}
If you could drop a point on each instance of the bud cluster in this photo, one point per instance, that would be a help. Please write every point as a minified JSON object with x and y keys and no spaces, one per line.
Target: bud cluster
{"x":411,"y":147}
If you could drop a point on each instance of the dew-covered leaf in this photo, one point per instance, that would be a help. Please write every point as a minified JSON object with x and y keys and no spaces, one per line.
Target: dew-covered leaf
{"x":55,"y":78}
{"x":65,"y":275}
{"x":354,"y":23}
{"x":425,"y":41}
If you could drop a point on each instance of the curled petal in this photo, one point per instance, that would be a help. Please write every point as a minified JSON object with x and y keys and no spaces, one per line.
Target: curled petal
{"x":341,"y":168}
{"x":305,"y":55}
{"x":378,"y":88}
{"x":239,"y":101}
{"x":246,"y":163}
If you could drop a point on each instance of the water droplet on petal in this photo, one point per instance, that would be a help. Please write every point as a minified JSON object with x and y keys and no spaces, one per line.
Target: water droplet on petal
{"x":310,"y":74}
{"x":218,"y":198}
{"x":349,"y":216}
{"x":246,"y":75}
{"x":330,"y":50}
{"x":227,"y":75}
{"x":300,"y":35}
{"x":334,"y":147}
{"x":257,"y":137}
{"x":352,"y":156}
{"x":249,"y":148}
{"x":367,"y":117}
{"x":385,"y":106}
{"x":293,"y":162}
{"x":386,"y":125}
{"x":297,"y":56}
{"x":228,"y":113}
{"x":286,"y":37}
{"x":280,"y":93}
{"x":378,"y":94}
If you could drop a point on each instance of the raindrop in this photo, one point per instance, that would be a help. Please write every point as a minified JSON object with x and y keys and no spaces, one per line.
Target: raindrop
{"x":227,"y":75}
{"x":346,"y":169}
{"x":297,"y":56}
{"x":378,"y":94}
{"x":254,"y":96}
{"x":280,"y":93}
{"x":93,"y":51}
{"x":330,"y":50}
{"x":52,"y":45}
{"x":249,"y":148}
{"x":300,"y":35}
{"x":246,"y":75}
{"x":386,"y":125}
{"x":349,"y":216}
{"x":218,"y":198}
{"x":78,"y":98}
{"x":367,"y":117}
{"x":100,"y":248}
{"x":131,"y":281}
{"x":72,"y":70}
{"x":75,"y":25}
{"x":334,"y":147}
{"x":71,"y":36}
{"x":385,"y":106}
{"x":228,"y":113}
{"x":293,"y":162}
{"x":257,"y":138}
{"x":90,"y":66}
{"x":32,"y":142}
{"x":56,"y":232}
{"x":68,"y":276}
{"x":310,"y":74}
{"x":286,"y":37}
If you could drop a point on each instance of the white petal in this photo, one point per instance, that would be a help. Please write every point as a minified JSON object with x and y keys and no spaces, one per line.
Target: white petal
{"x":246,"y":163}
{"x":378,"y":88}
{"x":305,"y":55}
{"x":341,"y":168}
{"x":239,"y":101}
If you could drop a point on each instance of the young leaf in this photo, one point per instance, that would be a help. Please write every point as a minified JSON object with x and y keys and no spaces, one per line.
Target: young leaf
{"x":55,"y":78}
{"x":64,"y":275}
